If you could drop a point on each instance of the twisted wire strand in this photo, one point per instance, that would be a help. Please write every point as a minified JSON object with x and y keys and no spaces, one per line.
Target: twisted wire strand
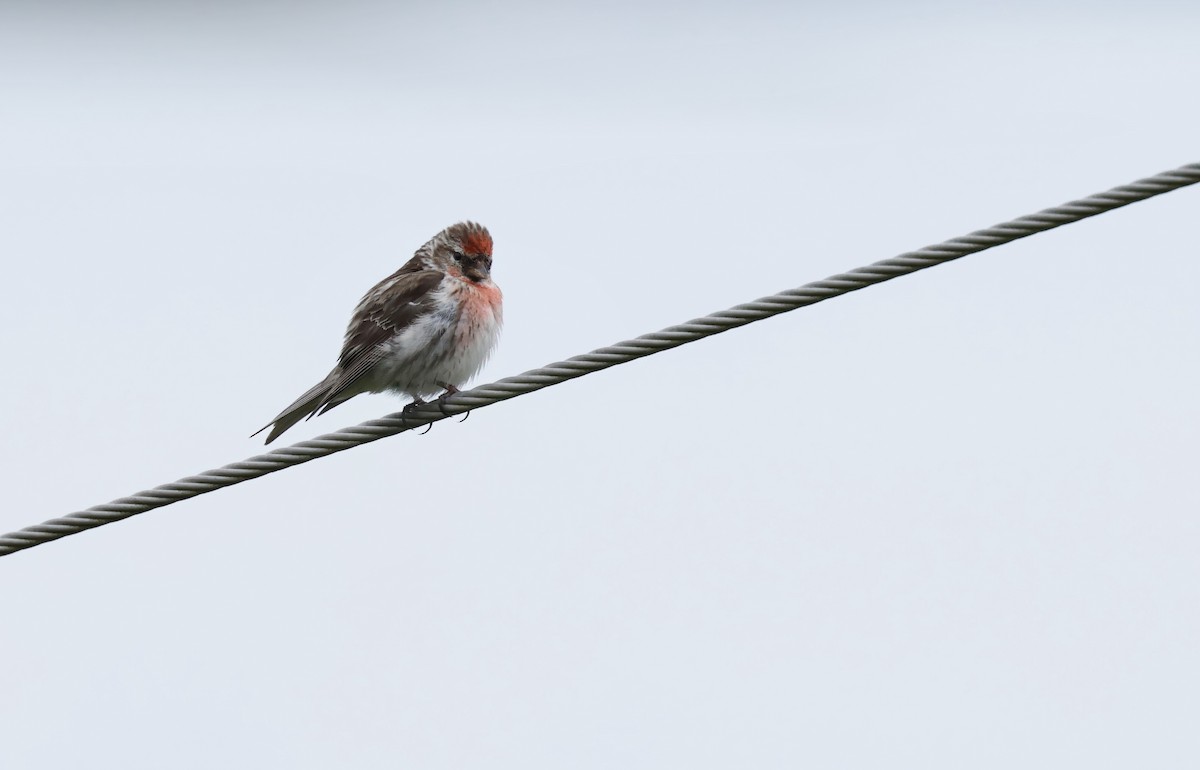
{"x":602,"y":358}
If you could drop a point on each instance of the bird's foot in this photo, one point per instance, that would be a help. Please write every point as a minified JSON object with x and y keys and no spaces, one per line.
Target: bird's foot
{"x":408,"y":408}
{"x":450,"y":390}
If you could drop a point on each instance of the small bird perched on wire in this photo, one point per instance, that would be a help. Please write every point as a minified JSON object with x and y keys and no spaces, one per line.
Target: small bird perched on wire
{"x":427,"y":328}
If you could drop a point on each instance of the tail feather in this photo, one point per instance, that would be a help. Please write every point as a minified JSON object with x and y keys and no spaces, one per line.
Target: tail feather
{"x":306,"y":406}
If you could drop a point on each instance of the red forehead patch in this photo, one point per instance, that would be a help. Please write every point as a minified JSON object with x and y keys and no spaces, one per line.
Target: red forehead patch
{"x":478,"y":243}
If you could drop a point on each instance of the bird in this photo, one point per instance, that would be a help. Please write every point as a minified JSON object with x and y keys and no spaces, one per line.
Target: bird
{"x":427,"y":328}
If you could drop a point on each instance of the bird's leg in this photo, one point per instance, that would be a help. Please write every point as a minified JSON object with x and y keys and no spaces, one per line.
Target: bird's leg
{"x":416,"y":402}
{"x":450,"y":391}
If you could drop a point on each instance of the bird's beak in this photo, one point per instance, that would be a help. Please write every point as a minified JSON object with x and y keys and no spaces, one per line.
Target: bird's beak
{"x":478,"y":271}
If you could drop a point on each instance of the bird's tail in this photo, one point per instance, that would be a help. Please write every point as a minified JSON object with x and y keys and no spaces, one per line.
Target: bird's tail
{"x":314,"y":399}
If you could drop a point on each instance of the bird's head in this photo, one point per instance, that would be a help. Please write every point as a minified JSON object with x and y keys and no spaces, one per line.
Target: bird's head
{"x":463,"y":249}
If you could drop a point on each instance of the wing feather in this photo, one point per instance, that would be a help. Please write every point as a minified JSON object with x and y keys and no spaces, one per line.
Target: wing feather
{"x":393,"y":305}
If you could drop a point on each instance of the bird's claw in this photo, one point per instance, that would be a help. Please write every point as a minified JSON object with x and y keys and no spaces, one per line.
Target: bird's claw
{"x":408,"y":408}
{"x":441,"y":400}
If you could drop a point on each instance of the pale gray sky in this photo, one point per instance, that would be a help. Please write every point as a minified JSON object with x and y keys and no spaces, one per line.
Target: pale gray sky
{"x":947,"y":522}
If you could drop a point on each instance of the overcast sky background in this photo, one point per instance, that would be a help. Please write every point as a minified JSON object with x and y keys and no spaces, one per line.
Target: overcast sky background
{"x":947,"y":522}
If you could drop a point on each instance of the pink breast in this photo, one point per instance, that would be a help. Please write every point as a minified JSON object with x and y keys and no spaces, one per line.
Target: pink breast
{"x":482,"y":306}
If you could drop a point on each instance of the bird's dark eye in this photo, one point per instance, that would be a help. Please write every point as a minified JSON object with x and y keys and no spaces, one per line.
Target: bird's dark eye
{"x":458,"y":256}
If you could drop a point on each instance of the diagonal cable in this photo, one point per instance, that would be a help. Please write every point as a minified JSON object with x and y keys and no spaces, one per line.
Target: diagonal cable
{"x":622,"y":352}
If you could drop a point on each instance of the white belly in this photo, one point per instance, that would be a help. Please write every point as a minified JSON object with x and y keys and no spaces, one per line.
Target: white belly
{"x":447,"y":347}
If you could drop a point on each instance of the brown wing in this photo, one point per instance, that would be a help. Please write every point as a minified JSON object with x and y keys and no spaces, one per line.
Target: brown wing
{"x":393,"y":304}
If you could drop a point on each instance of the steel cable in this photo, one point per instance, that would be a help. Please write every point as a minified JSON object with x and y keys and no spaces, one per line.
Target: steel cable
{"x":603,"y":358}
